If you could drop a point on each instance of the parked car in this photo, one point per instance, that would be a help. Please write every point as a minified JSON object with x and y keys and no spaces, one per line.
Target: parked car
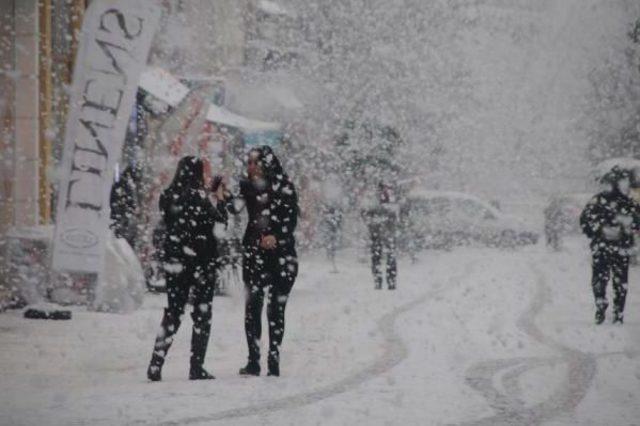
{"x":442,"y":220}
{"x":562,"y":217}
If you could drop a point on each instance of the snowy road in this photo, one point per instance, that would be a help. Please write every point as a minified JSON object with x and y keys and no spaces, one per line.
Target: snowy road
{"x":473,"y":336}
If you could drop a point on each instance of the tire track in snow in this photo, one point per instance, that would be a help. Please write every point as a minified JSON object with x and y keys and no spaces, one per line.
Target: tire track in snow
{"x":511,"y":410}
{"x":395,"y":351}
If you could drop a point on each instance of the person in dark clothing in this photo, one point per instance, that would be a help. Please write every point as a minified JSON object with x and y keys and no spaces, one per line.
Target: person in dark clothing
{"x":382,"y":221}
{"x":124,"y":201}
{"x":332,"y":219}
{"x":609,"y":220}
{"x":269,"y":258}
{"x":189,"y":262}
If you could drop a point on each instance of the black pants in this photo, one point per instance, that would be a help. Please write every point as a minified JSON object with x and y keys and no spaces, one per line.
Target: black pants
{"x":605,"y":264}
{"x":180,"y":280}
{"x":383,"y":243}
{"x":275,"y":272}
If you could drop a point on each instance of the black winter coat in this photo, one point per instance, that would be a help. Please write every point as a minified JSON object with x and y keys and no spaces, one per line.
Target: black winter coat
{"x":381,"y":219}
{"x":189,"y":218}
{"x":610,"y":209}
{"x":272,"y":210}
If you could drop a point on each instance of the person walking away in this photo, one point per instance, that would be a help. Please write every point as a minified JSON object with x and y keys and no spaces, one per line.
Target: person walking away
{"x":190,"y":252}
{"x":609,"y":220}
{"x":382,"y":221}
{"x":270,"y":260}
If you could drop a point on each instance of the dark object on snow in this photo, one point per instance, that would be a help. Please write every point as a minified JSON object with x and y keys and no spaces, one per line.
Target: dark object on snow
{"x":272,"y":207}
{"x":382,"y":221}
{"x":190,"y":253}
{"x":33,"y":313}
{"x":609,"y":221}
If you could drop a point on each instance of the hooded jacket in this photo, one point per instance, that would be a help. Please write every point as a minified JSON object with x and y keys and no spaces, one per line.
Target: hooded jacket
{"x":189,"y":216}
{"x":614,"y":210}
{"x":272,"y":205}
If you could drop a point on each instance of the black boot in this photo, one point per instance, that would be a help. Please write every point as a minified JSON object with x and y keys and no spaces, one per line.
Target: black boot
{"x":199,"y":343}
{"x":618,"y":317}
{"x":273,"y":365}
{"x":170,"y":324}
{"x":599,"y":316}
{"x":154,"y":372}
{"x":377,"y":284}
{"x":251,"y":369}
{"x":197,"y":372}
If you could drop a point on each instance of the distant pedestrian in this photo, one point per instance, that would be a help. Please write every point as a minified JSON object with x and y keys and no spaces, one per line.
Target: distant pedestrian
{"x":125,"y":203}
{"x":332,"y":209}
{"x":609,"y":220}
{"x":332,"y":220}
{"x":382,"y":221}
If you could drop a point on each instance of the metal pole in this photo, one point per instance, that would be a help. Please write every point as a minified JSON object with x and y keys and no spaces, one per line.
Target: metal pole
{"x":45,"y":92}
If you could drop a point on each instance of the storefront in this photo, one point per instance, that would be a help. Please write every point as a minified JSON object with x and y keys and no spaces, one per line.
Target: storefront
{"x":37,"y":44}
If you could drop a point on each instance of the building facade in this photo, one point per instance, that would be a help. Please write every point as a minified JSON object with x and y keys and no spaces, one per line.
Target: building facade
{"x":37,"y":45}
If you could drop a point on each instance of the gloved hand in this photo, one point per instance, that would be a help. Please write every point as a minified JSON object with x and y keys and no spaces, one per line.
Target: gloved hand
{"x":611,"y":233}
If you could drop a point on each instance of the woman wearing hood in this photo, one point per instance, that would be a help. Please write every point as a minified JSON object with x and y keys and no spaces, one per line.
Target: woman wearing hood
{"x":270,"y":259}
{"x":189,"y":262}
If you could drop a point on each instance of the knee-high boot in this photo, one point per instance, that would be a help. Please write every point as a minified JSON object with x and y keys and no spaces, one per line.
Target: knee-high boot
{"x":168,"y":327}
{"x":199,"y":343}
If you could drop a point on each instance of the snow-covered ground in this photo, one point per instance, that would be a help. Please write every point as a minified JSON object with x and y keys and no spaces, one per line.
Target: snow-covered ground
{"x":472,"y":336}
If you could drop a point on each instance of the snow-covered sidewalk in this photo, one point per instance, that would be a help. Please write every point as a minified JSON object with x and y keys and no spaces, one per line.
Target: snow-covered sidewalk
{"x":474,"y":335}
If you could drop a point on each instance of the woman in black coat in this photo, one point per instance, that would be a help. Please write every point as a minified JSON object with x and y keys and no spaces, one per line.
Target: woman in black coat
{"x":270,"y":259}
{"x":189,"y":263}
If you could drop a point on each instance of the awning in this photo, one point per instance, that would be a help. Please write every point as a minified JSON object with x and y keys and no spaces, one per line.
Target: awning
{"x":163,"y":85}
{"x":167,"y":88}
{"x":220,"y":115}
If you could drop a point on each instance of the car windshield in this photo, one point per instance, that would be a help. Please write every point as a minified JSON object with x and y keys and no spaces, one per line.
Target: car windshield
{"x":471,"y":210}
{"x":438,"y":209}
{"x":431,"y":206}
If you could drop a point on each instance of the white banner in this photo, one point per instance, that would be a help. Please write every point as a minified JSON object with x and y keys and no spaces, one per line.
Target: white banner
{"x":114,"y":45}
